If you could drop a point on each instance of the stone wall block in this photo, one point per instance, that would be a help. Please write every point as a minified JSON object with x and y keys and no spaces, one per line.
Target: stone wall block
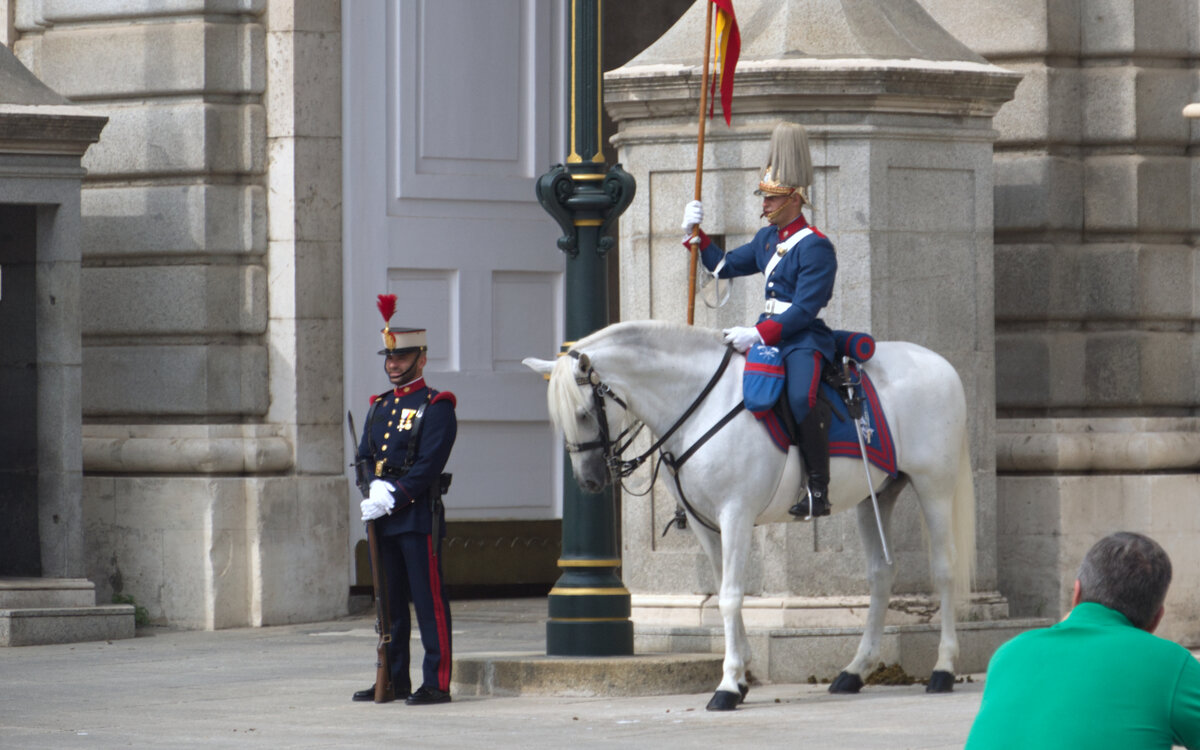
{"x":319,"y":395}
{"x":311,"y":15}
{"x":1021,"y":28}
{"x":302,"y":527}
{"x":320,"y":448}
{"x":1126,"y":104}
{"x":1166,"y":282}
{"x":178,"y":300}
{"x":59,"y":11}
{"x":305,"y":63}
{"x":1116,"y":28}
{"x":179,"y":380}
{"x":148,"y":60}
{"x":179,"y":138}
{"x":1131,"y":193}
{"x":1046,"y":107}
{"x":1037,"y":193}
{"x":173,"y":219}
{"x":1023,"y":286}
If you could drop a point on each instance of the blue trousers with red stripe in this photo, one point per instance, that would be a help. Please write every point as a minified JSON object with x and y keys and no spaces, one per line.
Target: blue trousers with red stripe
{"x":803,"y":377}
{"x":413,"y":564}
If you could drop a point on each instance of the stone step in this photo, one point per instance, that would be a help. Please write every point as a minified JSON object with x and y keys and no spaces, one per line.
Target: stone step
{"x":792,"y":655}
{"x":509,"y":674}
{"x":35,"y":626}
{"x":38,"y":593}
{"x":682,"y":660}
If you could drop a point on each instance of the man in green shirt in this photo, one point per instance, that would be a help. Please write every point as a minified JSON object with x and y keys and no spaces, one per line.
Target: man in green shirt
{"x":1098,"y":679}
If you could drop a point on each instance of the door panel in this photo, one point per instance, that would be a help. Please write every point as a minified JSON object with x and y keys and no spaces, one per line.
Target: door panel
{"x":452,"y":109}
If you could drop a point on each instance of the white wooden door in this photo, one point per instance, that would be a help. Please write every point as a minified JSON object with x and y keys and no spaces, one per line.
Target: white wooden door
{"x":452,"y":109}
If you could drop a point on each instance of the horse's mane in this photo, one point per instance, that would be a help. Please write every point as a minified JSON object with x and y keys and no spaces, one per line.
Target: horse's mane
{"x":565,"y":398}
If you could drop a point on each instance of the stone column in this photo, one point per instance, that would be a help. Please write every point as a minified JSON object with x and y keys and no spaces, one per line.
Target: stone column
{"x":1096,"y":291}
{"x":212,"y":438}
{"x":899,"y":116}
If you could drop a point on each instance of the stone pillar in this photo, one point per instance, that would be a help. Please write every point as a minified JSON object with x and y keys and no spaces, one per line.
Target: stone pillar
{"x":1096,"y":291}
{"x":212,"y":438}
{"x":899,"y":116}
{"x":44,"y":597}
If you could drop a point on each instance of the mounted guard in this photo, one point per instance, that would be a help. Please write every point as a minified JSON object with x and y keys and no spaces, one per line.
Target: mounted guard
{"x":799,"y":265}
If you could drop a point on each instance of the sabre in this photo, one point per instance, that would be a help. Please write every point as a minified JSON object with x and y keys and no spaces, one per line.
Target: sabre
{"x":862,"y":448}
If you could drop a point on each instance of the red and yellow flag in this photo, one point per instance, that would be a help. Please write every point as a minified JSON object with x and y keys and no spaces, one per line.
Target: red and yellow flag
{"x":725,"y":55}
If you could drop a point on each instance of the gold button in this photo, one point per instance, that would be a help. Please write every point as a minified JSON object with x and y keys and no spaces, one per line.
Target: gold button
{"x":387,"y":435}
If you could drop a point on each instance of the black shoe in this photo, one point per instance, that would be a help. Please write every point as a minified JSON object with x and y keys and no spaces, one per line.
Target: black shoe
{"x":369,"y":695}
{"x":426,"y":696}
{"x":820,"y":504}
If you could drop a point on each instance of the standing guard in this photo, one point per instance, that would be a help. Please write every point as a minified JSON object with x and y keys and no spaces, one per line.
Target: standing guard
{"x":799,"y":265}
{"x":409,"y":432}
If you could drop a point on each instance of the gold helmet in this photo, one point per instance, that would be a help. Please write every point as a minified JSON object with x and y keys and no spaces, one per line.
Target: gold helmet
{"x":789,"y":166}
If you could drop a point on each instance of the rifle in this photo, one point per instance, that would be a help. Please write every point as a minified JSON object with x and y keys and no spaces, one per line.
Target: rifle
{"x":384,"y":691}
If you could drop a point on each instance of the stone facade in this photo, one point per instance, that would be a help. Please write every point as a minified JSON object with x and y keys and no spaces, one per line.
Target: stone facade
{"x":211,"y":301}
{"x":1096,"y":292}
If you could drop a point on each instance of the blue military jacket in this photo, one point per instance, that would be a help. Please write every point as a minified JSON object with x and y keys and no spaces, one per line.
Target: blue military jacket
{"x":385,"y":443}
{"x":804,"y":276}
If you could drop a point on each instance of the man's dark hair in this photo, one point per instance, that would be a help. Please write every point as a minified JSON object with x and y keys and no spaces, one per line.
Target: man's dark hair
{"x":1127,"y":572}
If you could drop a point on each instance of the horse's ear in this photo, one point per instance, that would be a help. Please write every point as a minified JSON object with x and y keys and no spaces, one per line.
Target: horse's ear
{"x":585,"y":362}
{"x":540,"y":366}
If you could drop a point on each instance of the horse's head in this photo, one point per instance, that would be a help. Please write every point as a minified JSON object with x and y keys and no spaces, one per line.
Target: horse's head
{"x":591,"y":417}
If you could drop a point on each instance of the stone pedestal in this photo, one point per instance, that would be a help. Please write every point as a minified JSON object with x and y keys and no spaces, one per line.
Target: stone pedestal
{"x":43,"y":596}
{"x":899,"y":116}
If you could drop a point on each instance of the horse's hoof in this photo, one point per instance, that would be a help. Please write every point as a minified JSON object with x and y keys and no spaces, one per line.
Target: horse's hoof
{"x":940,"y":682}
{"x":846,"y":682}
{"x":723,"y":700}
{"x":743,"y":689}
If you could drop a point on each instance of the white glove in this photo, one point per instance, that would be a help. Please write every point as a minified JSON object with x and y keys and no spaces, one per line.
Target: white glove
{"x":379,"y":501}
{"x":742,"y":337}
{"x":693,"y":216}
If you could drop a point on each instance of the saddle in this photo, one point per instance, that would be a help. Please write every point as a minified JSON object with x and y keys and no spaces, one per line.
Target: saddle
{"x":844,"y":381}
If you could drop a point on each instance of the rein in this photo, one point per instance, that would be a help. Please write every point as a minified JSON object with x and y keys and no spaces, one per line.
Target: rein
{"x":619,"y":468}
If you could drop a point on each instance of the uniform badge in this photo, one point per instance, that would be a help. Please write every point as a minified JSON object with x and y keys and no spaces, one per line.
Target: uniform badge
{"x":406,"y":419}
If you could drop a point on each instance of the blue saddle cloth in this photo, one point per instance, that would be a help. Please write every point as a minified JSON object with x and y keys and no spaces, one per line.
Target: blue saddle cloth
{"x":881,"y":451}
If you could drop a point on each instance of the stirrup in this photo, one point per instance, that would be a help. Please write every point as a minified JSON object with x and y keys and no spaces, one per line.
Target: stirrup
{"x":807,"y":508}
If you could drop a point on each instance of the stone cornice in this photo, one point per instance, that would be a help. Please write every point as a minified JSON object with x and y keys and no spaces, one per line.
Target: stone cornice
{"x":817,"y":85}
{"x":184,"y":449}
{"x":61,"y":129}
{"x":1104,"y":445}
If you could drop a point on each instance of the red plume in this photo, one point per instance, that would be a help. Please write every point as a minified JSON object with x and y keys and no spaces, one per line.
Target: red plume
{"x":387,"y":306}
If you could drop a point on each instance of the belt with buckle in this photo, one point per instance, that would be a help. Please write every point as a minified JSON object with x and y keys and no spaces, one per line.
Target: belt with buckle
{"x":776,"y":306}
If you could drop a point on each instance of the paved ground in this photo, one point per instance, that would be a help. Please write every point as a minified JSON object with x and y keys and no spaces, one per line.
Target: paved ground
{"x":289,"y":687}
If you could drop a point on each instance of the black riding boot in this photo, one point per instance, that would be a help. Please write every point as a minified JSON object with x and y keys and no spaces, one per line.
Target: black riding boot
{"x":814,"y":448}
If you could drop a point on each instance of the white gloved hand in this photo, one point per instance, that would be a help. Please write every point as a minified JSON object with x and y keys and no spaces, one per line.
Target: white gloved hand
{"x":742,"y":337}
{"x":379,"y":501}
{"x":693,"y":216}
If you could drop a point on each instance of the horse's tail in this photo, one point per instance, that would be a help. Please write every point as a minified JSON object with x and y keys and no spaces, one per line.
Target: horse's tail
{"x":964,"y":524}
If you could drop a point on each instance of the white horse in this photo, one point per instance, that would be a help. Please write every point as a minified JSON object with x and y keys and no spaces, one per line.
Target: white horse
{"x":651,"y":372}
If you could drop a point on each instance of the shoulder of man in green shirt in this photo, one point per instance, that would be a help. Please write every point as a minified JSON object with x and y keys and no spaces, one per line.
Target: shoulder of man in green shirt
{"x":1093,"y":680}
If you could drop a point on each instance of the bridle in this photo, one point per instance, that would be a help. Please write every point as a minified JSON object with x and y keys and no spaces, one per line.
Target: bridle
{"x":613,"y":448}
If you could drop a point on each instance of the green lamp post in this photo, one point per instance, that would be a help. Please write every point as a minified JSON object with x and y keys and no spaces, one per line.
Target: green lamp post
{"x":589,"y":605}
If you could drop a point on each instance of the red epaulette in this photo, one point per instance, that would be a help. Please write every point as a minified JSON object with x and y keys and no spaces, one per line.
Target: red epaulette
{"x":445,"y":396}
{"x":374,"y":398}
{"x":817,"y":232}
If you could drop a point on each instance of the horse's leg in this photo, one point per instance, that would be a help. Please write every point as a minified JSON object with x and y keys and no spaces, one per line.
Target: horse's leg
{"x":936,"y":504}
{"x":735,"y":549}
{"x":879,"y":576}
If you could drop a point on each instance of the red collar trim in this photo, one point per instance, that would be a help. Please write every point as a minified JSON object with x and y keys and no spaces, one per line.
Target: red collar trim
{"x":408,"y":388}
{"x":798,"y":224}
